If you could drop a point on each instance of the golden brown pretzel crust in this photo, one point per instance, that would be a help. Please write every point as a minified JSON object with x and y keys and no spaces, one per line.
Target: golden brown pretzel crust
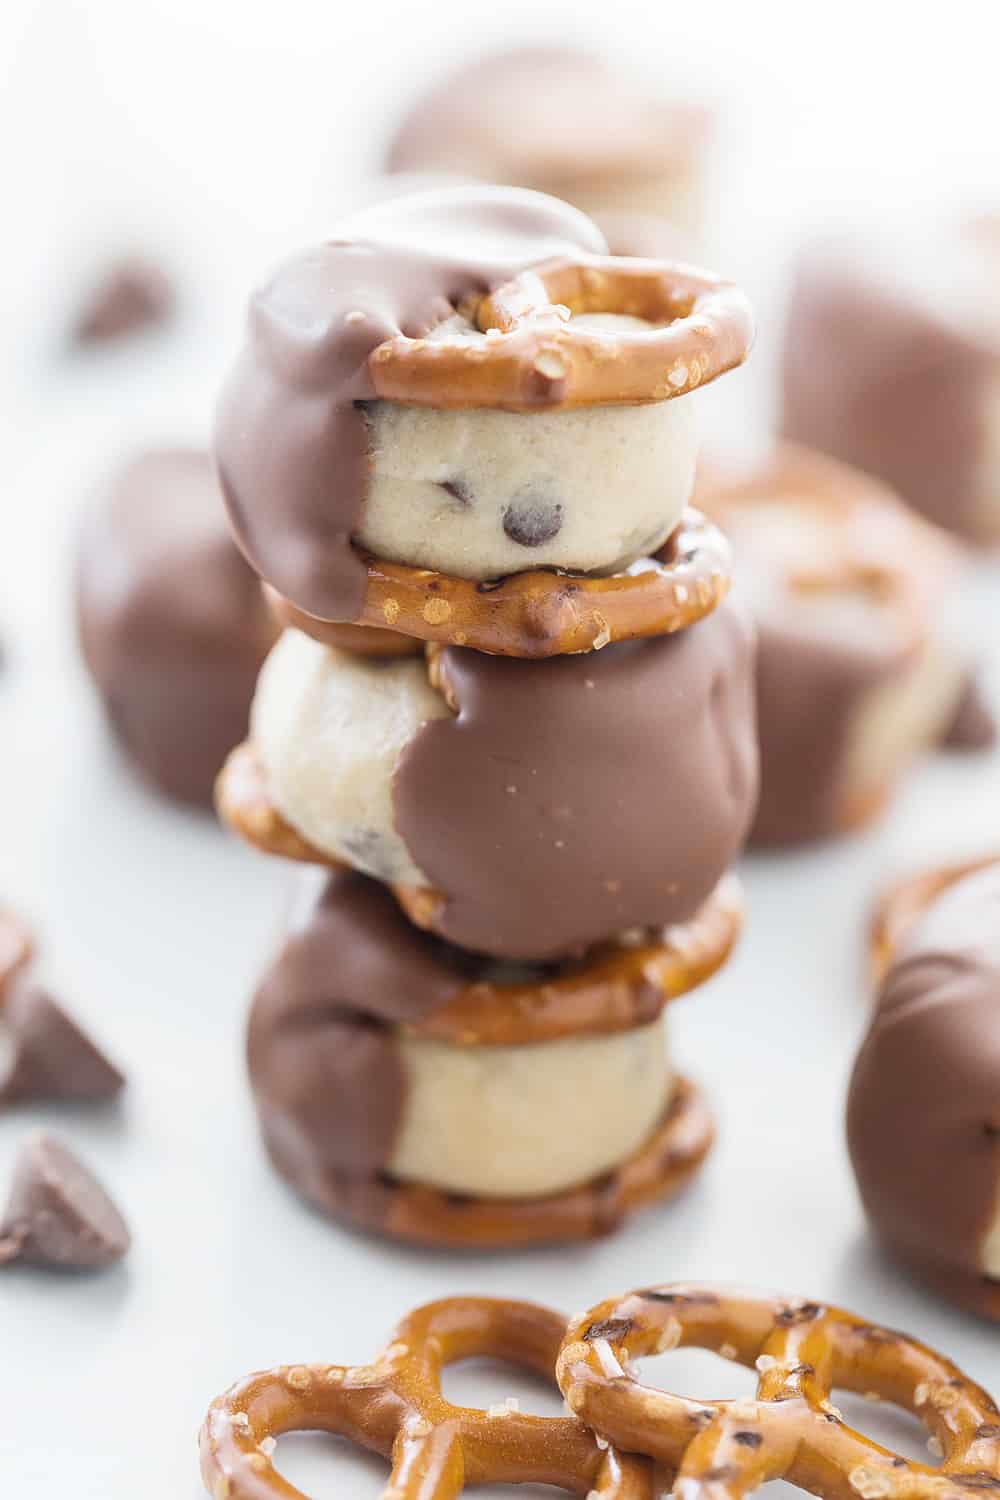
{"x":243,"y":802}
{"x":423,"y":1215}
{"x":540,"y":613}
{"x":396,"y":1408}
{"x":905,"y":901}
{"x":721,"y":1450}
{"x":534,"y":355}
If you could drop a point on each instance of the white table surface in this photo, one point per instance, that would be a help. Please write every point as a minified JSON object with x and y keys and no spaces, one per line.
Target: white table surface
{"x":155,"y":923}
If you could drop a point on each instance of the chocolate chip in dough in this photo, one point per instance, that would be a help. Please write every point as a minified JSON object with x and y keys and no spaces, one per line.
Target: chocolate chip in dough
{"x":45,"y":1055}
{"x":530,"y":520}
{"x":459,"y":490}
{"x":58,"y":1214}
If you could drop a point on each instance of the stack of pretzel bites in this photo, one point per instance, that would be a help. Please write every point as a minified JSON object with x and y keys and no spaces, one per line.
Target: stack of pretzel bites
{"x":622,"y":1440}
{"x":510,"y":717}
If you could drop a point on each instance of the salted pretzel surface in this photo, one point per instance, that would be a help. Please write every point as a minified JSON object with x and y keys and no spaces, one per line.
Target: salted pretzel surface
{"x":540,"y":613}
{"x":533,"y":354}
{"x":395,"y":1407}
{"x":722,"y":1450}
{"x":904,"y":902}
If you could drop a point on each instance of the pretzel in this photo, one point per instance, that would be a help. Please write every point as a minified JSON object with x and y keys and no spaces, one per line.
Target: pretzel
{"x":905,"y":902}
{"x":243,"y":803}
{"x":423,"y":1215}
{"x":721,"y":1450}
{"x":395,"y":1407}
{"x":540,"y":613}
{"x":875,"y":544}
{"x":534,"y":355}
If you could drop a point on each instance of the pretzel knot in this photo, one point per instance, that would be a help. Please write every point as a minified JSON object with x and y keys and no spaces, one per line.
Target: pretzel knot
{"x":533,"y":354}
{"x":395,"y":1407}
{"x":721,"y":1450}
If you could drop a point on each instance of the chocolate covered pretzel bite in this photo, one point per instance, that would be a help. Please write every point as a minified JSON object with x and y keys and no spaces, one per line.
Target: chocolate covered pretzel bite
{"x":404,"y":1084}
{"x":395,"y":1407}
{"x":803,"y":1351}
{"x":855,"y":676}
{"x":465,"y":387}
{"x":923,"y":1113}
{"x":490,"y":792}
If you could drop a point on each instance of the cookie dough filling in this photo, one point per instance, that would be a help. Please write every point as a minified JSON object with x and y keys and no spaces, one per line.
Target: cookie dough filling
{"x":481,"y":492}
{"x":524,"y":1121}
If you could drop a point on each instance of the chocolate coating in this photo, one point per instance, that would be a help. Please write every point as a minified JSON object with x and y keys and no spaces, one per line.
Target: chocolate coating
{"x":923,"y":1113}
{"x":570,"y":799}
{"x":58,"y":1214}
{"x":325,"y":1072}
{"x":291,"y":437}
{"x":171,"y":620}
{"x":546,"y":117}
{"x":50,"y":1057}
{"x":891,"y":373}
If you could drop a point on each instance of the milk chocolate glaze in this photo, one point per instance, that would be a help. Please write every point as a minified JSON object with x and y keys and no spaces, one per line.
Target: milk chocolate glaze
{"x":171,"y":620}
{"x":923,"y":1114}
{"x":568,"y":800}
{"x":291,"y":438}
{"x":323,"y":1062}
{"x":886,"y":380}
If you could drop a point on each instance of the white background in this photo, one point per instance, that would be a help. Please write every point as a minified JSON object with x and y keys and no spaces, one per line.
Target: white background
{"x":217,"y":135}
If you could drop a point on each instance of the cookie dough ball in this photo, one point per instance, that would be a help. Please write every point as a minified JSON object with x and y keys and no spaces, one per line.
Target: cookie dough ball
{"x":329,"y":727}
{"x":923,"y":1115}
{"x":172,"y":624}
{"x":567,"y":123}
{"x":482,"y":493}
{"x":541,"y":806}
{"x":854,"y":676}
{"x":892,"y":363}
{"x":346,"y":1094}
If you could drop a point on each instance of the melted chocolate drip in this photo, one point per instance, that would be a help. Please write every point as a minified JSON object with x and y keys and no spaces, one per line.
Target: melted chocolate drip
{"x":291,"y":439}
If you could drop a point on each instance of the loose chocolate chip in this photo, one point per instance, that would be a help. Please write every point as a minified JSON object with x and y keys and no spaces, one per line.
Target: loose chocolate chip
{"x":49,"y":1057}
{"x":748,"y":1439}
{"x":133,"y":294}
{"x":612,"y":1328}
{"x":459,"y":490}
{"x":58,"y":1213}
{"x":530,"y":520}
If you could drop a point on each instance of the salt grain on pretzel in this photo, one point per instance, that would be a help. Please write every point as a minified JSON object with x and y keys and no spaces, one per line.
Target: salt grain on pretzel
{"x":397,"y":1409}
{"x":924,"y":1105}
{"x":722,"y":1450}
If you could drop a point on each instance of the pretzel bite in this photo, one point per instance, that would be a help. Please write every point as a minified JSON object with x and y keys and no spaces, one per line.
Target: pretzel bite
{"x":892,"y":362}
{"x":567,"y":123}
{"x":171,"y":621}
{"x":464,"y":383}
{"x":380,"y":1054}
{"x":923,"y":1115}
{"x":491,"y":792}
{"x":855,"y":677}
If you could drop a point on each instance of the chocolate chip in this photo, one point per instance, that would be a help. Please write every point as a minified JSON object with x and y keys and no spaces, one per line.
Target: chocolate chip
{"x":459,"y":490}
{"x":748,"y":1439}
{"x":58,"y":1213}
{"x":612,"y":1328}
{"x":49,"y":1057}
{"x":133,"y":294}
{"x":531,"y":520}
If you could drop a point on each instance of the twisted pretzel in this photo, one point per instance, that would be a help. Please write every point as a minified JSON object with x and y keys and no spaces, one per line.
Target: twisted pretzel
{"x":540,"y":613}
{"x":904,"y":902}
{"x":395,"y":1407}
{"x":721,"y":1450}
{"x":534,"y":355}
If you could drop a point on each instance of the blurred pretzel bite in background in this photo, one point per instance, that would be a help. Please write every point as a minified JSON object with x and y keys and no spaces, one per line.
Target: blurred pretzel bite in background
{"x":923,"y":1115}
{"x":572,"y":124}
{"x":856,"y":672}
{"x":892,"y":362}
